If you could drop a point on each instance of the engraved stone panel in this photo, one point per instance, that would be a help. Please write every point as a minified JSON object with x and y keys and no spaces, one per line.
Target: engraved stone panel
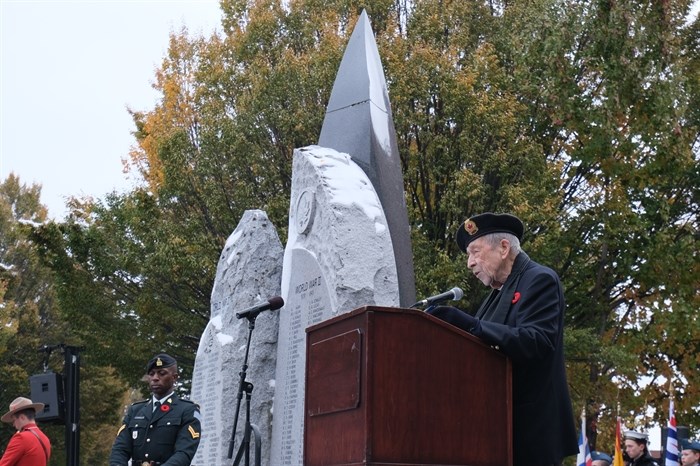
{"x":306,"y":302}
{"x":338,"y":257}
{"x":249,"y":272}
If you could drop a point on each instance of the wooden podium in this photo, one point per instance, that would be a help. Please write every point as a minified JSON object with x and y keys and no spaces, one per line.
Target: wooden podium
{"x":388,"y":386}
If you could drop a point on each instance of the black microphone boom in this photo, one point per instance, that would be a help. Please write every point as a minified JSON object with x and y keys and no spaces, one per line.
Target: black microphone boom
{"x":455,"y":294}
{"x":271,"y":304}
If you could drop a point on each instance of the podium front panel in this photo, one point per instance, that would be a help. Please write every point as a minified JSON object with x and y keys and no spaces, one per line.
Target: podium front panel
{"x":336,"y":367}
{"x":429,"y":393}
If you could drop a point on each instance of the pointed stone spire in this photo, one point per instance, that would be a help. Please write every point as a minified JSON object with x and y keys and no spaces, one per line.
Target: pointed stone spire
{"x":359,"y":122}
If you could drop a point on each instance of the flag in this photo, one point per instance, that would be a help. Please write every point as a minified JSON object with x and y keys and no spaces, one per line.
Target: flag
{"x":617,"y":461}
{"x":671,"y":456}
{"x":584,"y":452}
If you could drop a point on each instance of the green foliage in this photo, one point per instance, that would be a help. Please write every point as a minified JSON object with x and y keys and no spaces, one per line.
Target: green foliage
{"x":26,"y":301}
{"x":611,"y":104}
{"x":30,"y":319}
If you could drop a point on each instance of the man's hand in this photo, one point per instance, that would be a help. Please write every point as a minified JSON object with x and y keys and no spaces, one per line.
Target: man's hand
{"x":454,"y":316}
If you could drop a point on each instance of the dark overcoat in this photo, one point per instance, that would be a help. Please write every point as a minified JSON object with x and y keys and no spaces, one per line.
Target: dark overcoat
{"x":645,"y":460}
{"x":525,"y":320}
{"x":167,"y":436}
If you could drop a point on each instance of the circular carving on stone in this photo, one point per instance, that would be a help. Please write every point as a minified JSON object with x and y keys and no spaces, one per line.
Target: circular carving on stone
{"x":306,"y":207}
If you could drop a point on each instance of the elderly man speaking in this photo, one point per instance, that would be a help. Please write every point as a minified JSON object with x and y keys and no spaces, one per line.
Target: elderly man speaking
{"x":523,"y":317}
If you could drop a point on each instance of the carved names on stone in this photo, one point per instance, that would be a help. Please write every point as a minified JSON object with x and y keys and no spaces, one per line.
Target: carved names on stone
{"x":338,"y":257}
{"x":249,"y":272}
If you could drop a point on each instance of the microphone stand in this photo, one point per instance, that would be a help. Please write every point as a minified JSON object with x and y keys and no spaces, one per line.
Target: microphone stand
{"x":245,"y":387}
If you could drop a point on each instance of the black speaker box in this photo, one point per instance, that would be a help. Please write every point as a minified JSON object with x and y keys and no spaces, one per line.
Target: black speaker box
{"x":47,"y":388}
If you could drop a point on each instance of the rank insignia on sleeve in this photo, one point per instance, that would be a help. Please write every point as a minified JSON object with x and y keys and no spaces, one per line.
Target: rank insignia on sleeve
{"x":193,"y":432}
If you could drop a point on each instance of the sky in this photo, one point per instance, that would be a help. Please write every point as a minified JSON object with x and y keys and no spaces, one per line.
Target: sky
{"x":69,"y":70}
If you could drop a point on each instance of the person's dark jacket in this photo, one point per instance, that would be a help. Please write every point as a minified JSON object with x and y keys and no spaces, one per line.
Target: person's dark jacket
{"x":644,"y":460}
{"x":525,"y":320}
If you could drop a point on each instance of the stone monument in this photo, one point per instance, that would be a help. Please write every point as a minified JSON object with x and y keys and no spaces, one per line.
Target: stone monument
{"x":358,"y":122}
{"x":348,"y":246}
{"x":338,"y":258}
{"x":249,"y":272}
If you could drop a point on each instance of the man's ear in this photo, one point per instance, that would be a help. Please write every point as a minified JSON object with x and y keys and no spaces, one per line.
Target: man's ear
{"x":505,"y":248}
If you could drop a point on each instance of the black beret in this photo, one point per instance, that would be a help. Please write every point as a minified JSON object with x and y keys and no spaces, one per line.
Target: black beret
{"x":160,"y":361}
{"x":484,"y":224}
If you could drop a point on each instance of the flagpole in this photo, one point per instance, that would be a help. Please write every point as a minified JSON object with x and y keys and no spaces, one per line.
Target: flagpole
{"x":671,"y":453}
{"x":584,"y":452}
{"x":618,"y":461}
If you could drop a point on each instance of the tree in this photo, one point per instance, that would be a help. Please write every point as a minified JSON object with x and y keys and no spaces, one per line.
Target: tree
{"x":610,"y":102}
{"x":26,"y":302}
{"x":30,"y":319}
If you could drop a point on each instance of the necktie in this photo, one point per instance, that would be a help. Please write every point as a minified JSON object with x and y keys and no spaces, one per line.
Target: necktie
{"x":156,"y":405}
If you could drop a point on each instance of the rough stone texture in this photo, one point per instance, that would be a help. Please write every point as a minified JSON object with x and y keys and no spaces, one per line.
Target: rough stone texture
{"x":249,"y":272}
{"x":359,"y":122}
{"x":338,"y":257}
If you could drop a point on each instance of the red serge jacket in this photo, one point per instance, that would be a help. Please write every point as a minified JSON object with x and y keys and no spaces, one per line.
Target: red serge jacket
{"x":24,"y":448}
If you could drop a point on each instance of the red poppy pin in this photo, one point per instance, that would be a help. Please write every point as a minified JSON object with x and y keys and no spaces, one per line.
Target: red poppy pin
{"x":516,"y":297}
{"x":165,"y":408}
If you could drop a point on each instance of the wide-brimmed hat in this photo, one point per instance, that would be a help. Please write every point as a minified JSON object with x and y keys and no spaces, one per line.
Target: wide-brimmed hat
{"x":20,"y":404}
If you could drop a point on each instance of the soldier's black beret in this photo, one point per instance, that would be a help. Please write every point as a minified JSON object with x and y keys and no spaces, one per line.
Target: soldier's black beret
{"x":160,"y":361}
{"x":484,"y":224}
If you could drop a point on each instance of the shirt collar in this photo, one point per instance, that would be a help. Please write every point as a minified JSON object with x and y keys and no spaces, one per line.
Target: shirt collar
{"x":162,"y":400}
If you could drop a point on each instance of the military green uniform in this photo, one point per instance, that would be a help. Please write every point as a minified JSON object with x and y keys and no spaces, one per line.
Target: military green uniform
{"x":168,"y":436}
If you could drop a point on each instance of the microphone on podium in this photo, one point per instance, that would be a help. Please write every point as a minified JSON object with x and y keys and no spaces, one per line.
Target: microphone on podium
{"x":271,"y":304}
{"x":455,"y":294}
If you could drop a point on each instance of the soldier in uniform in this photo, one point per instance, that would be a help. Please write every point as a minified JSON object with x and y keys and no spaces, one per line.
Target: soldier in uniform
{"x":637,"y":449}
{"x":163,"y":430}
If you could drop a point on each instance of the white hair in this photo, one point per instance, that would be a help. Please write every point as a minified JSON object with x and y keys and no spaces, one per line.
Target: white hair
{"x":494,"y":239}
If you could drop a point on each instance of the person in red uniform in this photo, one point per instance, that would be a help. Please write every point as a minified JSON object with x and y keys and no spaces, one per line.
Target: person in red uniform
{"x":29,"y":446}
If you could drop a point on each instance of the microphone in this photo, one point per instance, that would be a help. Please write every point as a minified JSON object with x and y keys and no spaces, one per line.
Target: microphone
{"x":455,"y":294}
{"x":272,"y":304}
